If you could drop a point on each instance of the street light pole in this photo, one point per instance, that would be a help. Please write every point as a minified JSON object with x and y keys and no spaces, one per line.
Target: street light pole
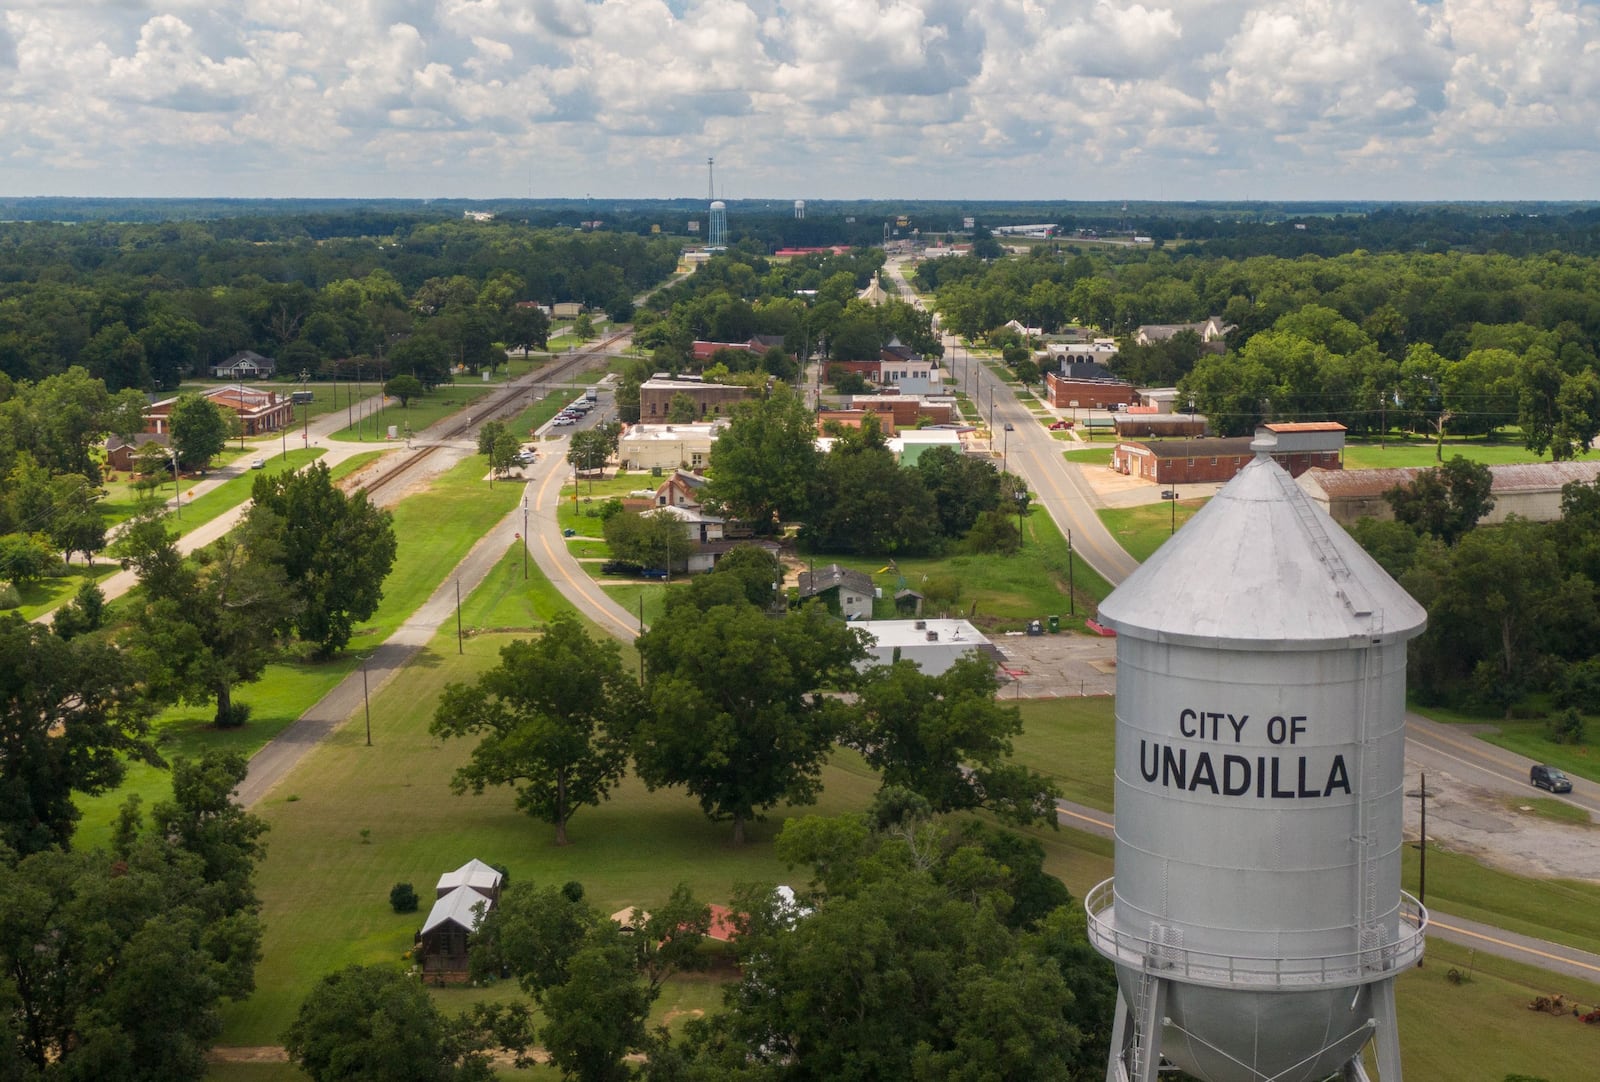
{"x":366,"y":702}
{"x":177,"y":489}
{"x":1072,"y":593}
{"x":524,"y":537}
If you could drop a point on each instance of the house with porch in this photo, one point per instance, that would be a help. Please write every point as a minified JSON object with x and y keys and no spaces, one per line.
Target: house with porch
{"x":246,"y":364}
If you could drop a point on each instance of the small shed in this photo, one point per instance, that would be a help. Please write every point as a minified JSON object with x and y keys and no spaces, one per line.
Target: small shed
{"x":462,"y":898}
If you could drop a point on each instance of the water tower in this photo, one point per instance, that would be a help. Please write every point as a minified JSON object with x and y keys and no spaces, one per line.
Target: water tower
{"x":1256,"y":919}
{"x":717,"y":237}
{"x":799,"y":210}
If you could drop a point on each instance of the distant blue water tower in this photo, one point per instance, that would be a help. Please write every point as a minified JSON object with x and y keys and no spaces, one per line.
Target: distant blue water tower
{"x":1256,"y":919}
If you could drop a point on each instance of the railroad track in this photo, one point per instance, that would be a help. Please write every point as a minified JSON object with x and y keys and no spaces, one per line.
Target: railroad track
{"x":502,"y":404}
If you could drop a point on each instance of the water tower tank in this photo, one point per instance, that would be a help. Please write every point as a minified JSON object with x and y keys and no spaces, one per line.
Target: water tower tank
{"x":799,"y":208}
{"x":717,"y":234}
{"x":1256,"y":919}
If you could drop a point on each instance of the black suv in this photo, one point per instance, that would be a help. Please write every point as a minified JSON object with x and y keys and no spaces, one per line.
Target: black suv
{"x":1548,"y":777}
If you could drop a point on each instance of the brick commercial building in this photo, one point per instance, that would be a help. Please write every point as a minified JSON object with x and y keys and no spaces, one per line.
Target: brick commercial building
{"x":1530,"y":490}
{"x":907,"y":409}
{"x":258,"y":411}
{"x":710,"y":399}
{"x":1298,"y":447}
{"x":1087,"y":386}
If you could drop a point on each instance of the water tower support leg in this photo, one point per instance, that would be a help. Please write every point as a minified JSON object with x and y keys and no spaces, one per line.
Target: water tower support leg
{"x":1136,"y":1034}
{"x":1388,"y":1034}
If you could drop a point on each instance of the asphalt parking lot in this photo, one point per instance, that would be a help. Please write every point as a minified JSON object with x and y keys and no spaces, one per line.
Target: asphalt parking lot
{"x":1058,"y":666}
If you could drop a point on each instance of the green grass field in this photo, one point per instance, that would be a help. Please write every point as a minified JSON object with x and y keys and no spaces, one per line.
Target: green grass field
{"x":55,"y":590}
{"x":1527,"y":736}
{"x":236,"y":490}
{"x":434,"y":406}
{"x":1142,"y":530}
{"x":1416,"y":451}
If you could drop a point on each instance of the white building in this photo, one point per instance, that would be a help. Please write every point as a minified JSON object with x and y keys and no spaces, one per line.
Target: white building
{"x":668,"y":447}
{"x":934,"y":645}
{"x":918,"y":377}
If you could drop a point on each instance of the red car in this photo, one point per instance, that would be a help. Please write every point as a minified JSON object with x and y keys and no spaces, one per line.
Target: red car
{"x":1056,"y":426}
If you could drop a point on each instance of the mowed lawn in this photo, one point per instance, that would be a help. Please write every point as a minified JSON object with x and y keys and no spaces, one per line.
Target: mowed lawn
{"x":1142,"y":530}
{"x":352,"y":821}
{"x":435,"y":528}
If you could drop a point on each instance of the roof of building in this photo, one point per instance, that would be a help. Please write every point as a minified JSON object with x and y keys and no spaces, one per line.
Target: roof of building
{"x":1200,"y":447}
{"x":813,"y":583}
{"x":903,"y":633}
{"x":463,"y":907}
{"x":684,"y":514}
{"x":1305,"y":426}
{"x":474,"y":873}
{"x":1087,"y":372}
{"x":669,"y":433}
{"x":1517,"y":477}
{"x":1262,"y":568}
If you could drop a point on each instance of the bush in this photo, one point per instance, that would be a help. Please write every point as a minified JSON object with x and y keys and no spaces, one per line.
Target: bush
{"x":9,"y":598}
{"x":402,"y":898}
{"x":1566,"y":727}
{"x":234,"y":716}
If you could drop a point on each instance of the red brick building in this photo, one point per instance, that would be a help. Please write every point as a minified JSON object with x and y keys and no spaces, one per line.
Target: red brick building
{"x":1300,"y":446}
{"x":905,"y":409}
{"x":1080,"y":390}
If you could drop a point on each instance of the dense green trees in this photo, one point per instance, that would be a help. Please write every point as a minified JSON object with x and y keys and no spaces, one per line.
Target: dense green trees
{"x":335,"y":551}
{"x":554,"y":717}
{"x":593,"y":980}
{"x":736,"y":714}
{"x":199,"y":430}
{"x":927,"y":949}
{"x":70,"y":712}
{"x":375,"y":1024}
{"x":947,"y":739}
{"x":113,"y":964}
{"x":1445,"y":502}
{"x":763,"y":466}
{"x":209,"y":624}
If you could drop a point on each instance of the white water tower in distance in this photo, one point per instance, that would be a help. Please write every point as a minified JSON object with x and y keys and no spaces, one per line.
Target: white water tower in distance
{"x":717,"y":237}
{"x":1256,"y":919}
{"x":799,"y":209}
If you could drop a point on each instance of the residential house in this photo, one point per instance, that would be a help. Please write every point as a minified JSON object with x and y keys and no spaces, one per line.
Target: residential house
{"x":246,"y":364}
{"x":462,"y":897}
{"x":847,"y":593}
{"x":682,"y":489}
{"x":123,"y":456}
{"x":1212,"y":332}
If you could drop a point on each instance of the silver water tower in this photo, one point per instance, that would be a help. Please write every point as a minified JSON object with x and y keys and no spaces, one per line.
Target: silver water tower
{"x":1256,"y":919}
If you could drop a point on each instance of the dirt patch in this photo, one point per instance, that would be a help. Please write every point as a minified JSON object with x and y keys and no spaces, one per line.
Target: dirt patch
{"x":1478,"y":821}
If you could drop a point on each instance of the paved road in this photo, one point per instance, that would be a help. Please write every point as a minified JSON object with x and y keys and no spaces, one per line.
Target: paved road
{"x":1031,"y":452}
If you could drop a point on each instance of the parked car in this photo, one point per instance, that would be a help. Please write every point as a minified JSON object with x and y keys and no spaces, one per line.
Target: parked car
{"x":1059,"y":426}
{"x":526,"y":457}
{"x":259,"y":464}
{"x":619,"y":567}
{"x":1548,"y":777}
{"x":653,"y":573}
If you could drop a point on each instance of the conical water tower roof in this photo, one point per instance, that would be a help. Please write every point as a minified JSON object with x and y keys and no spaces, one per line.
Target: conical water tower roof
{"x":1262,"y":567}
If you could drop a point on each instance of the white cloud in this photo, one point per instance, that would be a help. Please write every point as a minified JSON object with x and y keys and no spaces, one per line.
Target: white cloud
{"x":1024,"y":98}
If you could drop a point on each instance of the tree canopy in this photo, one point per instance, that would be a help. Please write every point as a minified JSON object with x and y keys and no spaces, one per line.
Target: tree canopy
{"x":736,"y":713}
{"x":70,"y":714}
{"x":335,"y":551}
{"x":554,"y":717}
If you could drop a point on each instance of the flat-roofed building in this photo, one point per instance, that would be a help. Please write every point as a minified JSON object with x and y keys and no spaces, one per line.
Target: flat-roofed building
{"x":668,"y":447}
{"x":710,"y":399}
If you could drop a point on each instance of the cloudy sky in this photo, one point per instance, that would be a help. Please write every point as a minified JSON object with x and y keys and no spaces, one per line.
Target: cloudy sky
{"x":1059,"y":99}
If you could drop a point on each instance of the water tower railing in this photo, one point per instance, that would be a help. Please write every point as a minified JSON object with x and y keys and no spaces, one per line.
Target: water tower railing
{"x":1162,"y":958}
